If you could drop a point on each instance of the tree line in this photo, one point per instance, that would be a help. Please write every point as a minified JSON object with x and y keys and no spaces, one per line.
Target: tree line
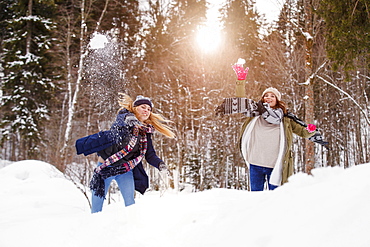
{"x":55,"y":88}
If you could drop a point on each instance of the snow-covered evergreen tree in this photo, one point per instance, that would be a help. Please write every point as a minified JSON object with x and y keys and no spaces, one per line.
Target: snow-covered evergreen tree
{"x":347,"y":31}
{"x":29,"y":75}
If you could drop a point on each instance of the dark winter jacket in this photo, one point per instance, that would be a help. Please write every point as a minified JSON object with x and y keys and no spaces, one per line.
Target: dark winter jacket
{"x":118,"y":134}
{"x":107,"y":143}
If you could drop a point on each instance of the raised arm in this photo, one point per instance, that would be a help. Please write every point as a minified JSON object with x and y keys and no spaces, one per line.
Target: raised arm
{"x":241,"y":74}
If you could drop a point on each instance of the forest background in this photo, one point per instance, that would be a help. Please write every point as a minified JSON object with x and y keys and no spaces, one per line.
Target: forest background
{"x":55,"y":88}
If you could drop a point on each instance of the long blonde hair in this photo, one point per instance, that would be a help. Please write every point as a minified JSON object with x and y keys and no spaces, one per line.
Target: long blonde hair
{"x":158,"y":122}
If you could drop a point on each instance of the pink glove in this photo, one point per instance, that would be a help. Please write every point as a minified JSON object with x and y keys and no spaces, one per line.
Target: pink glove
{"x":311,"y":128}
{"x":240,"y":72}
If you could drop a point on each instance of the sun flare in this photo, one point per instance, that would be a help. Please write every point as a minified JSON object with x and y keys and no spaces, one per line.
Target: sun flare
{"x":208,"y":38}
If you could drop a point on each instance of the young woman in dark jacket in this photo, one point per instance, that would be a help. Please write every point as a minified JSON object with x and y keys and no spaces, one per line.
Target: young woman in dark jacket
{"x":122,"y":148}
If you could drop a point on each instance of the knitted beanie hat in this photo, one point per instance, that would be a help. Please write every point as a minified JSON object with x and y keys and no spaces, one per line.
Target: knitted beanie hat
{"x":274,"y":91}
{"x":140,"y":100}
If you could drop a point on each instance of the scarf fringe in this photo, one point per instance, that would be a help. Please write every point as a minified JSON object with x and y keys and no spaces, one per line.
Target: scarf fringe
{"x":97,"y":185}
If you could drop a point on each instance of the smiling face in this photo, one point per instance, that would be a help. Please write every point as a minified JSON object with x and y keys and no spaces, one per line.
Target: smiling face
{"x":143,"y":112}
{"x":270,"y":98}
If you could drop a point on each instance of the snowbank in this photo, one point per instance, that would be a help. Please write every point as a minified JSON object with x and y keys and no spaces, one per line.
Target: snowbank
{"x":39,"y":207}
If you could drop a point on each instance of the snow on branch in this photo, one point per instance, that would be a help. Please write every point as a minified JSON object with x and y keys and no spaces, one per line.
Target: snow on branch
{"x":307,"y":35}
{"x":310,"y":78}
{"x":349,"y":96}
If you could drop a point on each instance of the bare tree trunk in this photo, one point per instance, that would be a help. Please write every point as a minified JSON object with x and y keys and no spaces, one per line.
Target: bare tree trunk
{"x":29,"y":37}
{"x":73,"y":94}
{"x":309,"y":97}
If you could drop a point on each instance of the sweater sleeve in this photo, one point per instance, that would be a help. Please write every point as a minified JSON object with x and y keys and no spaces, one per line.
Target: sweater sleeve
{"x":240,"y":88}
{"x":238,"y":105}
{"x":151,"y":156}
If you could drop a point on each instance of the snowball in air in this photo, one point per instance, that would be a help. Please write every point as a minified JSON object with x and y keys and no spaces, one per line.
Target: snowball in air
{"x":98,"y":41}
{"x":240,"y":61}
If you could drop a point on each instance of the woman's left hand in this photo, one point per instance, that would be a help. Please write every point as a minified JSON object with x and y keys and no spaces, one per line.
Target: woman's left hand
{"x":311,"y":128}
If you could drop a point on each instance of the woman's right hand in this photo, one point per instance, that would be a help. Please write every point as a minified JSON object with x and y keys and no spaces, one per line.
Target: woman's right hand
{"x":131,"y":120}
{"x":261,"y":107}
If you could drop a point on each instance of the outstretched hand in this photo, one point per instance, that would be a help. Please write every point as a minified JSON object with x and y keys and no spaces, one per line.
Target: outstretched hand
{"x":261,"y":107}
{"x":163,"y":168}
{"x":131,"y":121}
{"x":311,"y":128}
{"x":240,"y":72}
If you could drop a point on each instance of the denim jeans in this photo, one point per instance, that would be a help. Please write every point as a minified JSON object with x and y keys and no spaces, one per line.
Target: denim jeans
{"x":126,"y":185}
{"x":258,"y":176}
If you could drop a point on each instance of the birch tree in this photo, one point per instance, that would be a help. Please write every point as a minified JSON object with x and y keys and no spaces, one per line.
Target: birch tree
{"x":308,"y":32}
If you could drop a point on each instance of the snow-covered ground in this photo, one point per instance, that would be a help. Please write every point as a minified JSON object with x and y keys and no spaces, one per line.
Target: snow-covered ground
{"x":39,"y":207}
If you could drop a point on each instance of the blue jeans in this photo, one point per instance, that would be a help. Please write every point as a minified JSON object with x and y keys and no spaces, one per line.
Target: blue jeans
{"x":258,"y":176}
{"x":126,"y":185}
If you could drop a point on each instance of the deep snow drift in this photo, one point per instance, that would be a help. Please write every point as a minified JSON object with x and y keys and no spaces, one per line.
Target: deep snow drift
{"x":39,"y":207}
